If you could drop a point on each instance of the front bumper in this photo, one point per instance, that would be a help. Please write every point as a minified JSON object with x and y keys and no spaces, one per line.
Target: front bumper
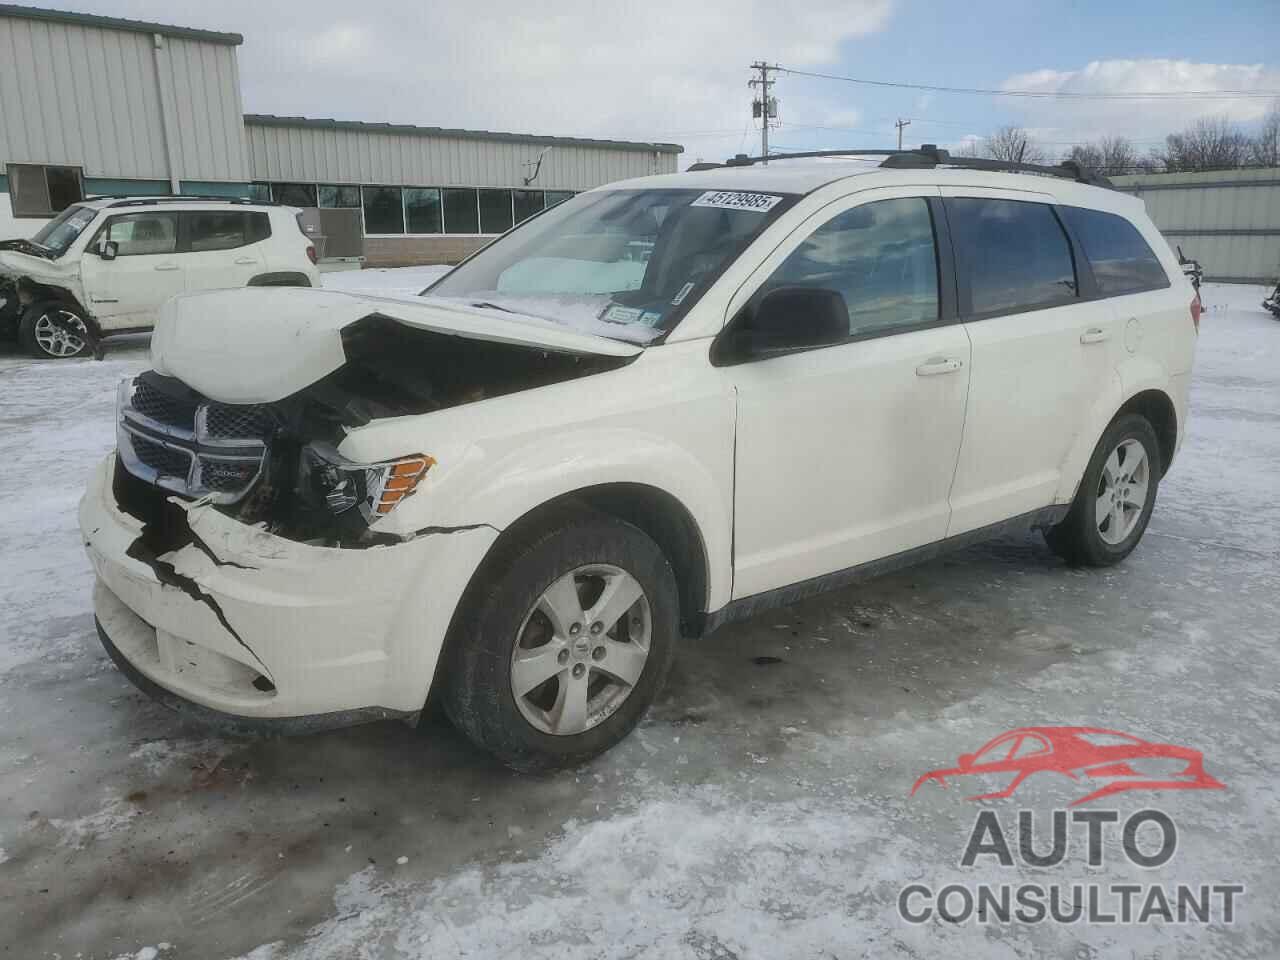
{"x":256,"y":627}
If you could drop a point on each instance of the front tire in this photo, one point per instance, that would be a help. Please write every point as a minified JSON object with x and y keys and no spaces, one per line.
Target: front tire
{"x":1116,"y":495}
{"x":54,"y":331}
{"x":560,"y":650}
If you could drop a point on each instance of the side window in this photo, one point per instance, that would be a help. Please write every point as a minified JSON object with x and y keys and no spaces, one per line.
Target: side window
{"x":1016,"y":254}
{"x":140,"y":234}
{"x":216,"y":230}
{"x":880,"y":257}
{"x":1122,"y":261}
{"x":1029,"y":746}
{"x":259,"y":227}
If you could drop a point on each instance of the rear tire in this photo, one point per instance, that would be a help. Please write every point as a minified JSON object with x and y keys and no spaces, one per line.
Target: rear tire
{"x":1116,"y":495}
{"x":541,"y":609}
{"x":55,"y":331}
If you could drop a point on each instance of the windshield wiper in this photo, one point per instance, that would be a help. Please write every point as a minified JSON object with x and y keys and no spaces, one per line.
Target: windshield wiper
{"x":494,"y":306}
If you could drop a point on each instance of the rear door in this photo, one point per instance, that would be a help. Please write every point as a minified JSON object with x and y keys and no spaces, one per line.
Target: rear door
{"x":223,"y":248}
{"x":845,"y":453}
{"x":1042,"y":352}
{"x":127,"y":291}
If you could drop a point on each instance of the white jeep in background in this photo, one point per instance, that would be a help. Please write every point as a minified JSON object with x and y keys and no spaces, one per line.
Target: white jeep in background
{"x":660,"y":406}
{"x":104,"y":266}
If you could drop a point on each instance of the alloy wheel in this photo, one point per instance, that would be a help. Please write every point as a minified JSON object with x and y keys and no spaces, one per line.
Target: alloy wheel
{"x":52,"y":335}
{"x":1122,"y":491}
{"x":581,"y":649}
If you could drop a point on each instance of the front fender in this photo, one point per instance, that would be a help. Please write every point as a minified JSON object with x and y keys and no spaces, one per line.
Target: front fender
{"x":657,"y":422}
{"x":524,"y":478}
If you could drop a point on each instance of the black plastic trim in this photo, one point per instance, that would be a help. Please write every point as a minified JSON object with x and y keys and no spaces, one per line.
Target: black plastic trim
{"x":285,"y":278}
{"x":747,"y":607}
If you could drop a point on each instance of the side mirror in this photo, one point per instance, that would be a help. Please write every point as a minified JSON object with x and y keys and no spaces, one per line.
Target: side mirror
{"x":789,"y":319}
{"x":108,"y":249}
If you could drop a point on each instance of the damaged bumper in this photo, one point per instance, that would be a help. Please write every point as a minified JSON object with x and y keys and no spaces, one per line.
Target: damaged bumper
{"x":240,"y":624}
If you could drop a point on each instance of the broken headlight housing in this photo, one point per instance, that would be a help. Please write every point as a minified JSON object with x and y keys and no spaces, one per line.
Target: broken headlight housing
{"x":373,"y":488}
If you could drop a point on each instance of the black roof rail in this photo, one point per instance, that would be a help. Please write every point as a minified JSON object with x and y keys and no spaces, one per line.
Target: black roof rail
{"x":133,"y":200}
{"x":928,"y":156}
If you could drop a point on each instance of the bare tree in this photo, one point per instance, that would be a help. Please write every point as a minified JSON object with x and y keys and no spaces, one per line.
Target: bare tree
{"x":1013,"y":144}
{"x":1210,"y":144}
{"x":1110,"y":156}
{"x":1264,"y":149}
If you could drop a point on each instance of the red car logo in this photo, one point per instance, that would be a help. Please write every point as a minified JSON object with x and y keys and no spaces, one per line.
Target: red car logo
{"x":1087,"y":754}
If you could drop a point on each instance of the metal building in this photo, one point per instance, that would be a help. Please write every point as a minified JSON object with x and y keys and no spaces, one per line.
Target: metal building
{"x":1229,"y":220}
{"x":100,"y":105}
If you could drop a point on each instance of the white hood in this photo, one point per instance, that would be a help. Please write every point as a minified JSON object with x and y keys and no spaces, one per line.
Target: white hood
{"x":262,"y":344}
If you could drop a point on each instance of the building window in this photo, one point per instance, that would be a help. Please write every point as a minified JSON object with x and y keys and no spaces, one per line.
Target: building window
{"x":526,"y":203}
{"x":294,"y":194}
{"x":558,"y":196}
{"x":261,"y":192}
{"x":383,"y":210}
{"x":37,"y":191}
{"x":495,"y":211}
{"x":338,"y":195}
{"x":422,"y":210}
{"x":461,"y":211}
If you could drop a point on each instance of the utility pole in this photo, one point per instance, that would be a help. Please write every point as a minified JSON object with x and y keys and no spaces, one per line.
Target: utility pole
{"x":767,"y":111}
{"x":900,"y":124}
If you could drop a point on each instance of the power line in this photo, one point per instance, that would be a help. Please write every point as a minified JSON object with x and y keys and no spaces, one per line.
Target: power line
{"x":1047,"y":95}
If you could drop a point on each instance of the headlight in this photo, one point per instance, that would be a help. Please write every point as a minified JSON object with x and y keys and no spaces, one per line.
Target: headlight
{"x":374,"y":488}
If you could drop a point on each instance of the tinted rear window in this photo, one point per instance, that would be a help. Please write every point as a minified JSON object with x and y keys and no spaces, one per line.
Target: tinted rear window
{"x":1015,"y":254}
{"x":1121,"y":259}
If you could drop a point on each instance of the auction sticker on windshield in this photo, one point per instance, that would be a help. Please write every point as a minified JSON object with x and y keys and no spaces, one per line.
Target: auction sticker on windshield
{"x":733,"y":200}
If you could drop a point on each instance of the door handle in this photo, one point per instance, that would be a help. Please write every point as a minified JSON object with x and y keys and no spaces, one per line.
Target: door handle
{"x":245,"y":261}
{"x":1094,"y":335}
{"x":166,"y":266}
{"x":935,"y":366}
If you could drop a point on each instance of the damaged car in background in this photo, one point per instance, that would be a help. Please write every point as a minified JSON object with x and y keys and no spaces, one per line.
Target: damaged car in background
{"x":655,"y":408}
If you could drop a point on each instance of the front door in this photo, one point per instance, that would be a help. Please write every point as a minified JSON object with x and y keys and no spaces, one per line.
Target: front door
{"x":846,"y":453}
{"x":128,"y":290}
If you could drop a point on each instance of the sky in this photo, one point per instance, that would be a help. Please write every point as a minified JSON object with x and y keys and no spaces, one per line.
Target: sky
{"x":677,"y":70}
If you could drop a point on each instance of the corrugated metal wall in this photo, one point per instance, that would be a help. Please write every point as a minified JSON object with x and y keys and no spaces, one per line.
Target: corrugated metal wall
{"x":1228,"y":220}
{"x":92,"y":97}
{"x":338,"y":155}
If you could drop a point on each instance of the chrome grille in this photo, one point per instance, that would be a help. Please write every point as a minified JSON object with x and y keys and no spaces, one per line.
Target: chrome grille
{"x":190,"y":447}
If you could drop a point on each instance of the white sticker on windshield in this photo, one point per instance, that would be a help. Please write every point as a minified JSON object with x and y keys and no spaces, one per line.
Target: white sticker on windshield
{"x":684,"y":292}
{"x":733,"y":200}
{"x":620,"y":314}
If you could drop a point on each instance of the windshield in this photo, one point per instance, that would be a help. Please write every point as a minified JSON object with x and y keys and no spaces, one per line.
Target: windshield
{"x":60,"y":232}
{"x":624,"y":264}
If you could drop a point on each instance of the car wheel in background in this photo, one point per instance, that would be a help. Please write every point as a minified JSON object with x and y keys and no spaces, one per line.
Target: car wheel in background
{"x":562,"y":647}
{"x":1114,"y":501}
{"x":55,"y":331}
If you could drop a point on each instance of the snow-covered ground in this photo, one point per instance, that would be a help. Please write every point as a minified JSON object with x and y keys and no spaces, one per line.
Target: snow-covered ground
{"x":763,"y":809}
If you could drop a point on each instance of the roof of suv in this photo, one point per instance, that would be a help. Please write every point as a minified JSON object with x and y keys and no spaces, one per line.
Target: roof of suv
{"x":806,"y":176}
{"x":104,"y":202}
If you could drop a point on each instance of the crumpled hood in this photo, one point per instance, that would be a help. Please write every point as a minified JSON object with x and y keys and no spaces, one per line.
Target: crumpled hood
{"x":262,"y":344}
{"x":15,"y":263}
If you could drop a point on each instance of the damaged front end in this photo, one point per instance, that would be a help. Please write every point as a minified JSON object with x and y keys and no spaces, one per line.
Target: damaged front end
{"x":277,"y":464}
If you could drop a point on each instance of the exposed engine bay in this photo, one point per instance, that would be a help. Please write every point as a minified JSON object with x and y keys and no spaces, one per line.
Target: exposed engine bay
{"x":277,"y":464}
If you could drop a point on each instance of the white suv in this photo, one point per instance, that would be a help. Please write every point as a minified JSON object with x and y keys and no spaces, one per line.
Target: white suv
{"x":663,"y":405}
{"x":105,"y":265}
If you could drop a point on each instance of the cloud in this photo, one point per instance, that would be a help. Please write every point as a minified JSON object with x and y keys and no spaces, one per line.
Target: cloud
{"x":1062,"y":121}
{"x":667,"y":70}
